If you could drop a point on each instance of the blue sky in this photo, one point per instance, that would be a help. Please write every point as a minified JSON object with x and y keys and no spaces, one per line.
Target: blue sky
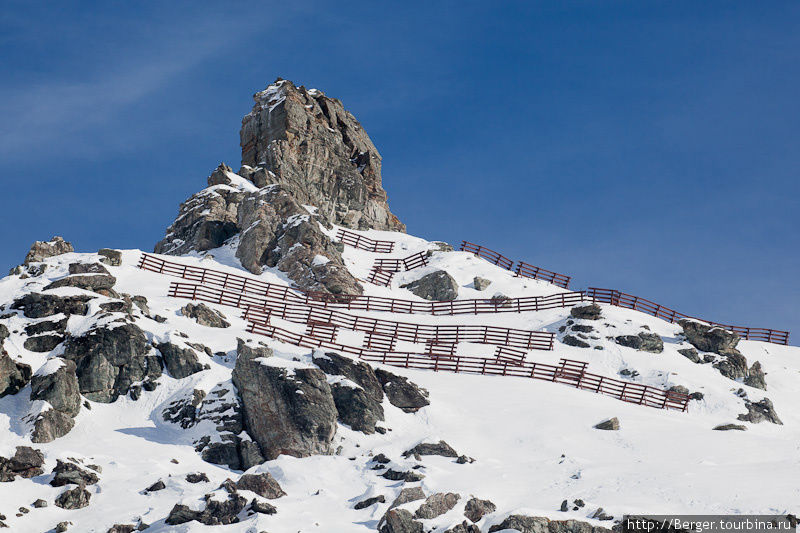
{"x":645,"y":146}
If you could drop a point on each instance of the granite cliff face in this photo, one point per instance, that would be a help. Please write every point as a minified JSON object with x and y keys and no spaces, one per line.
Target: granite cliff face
{"x":313,"y":146}
{"x":306,"y":164}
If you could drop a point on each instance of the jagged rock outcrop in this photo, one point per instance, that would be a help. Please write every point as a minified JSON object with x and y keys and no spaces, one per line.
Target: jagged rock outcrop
{"x":438,"y":286}
{"x":68,"y":473}
{"x":89,"y":276}
{"x":400,"y":521}
{"x":586,"y":312}
{"x":41,"y":250}
{"x":477,"y":509}
{"x":759,"y":412}
{"x":541,"y":524}
{"x":286,"y":410}
{"x":37,"y":305}
{"x":402,"y":393}
{"x":708,"y":338}
{"x":645,"y":342}
{"x":440,"y":448}
{"x":13,"y":375}
{"x":437,"y":504}
{"x":76,"y":498}
{"x":180,"y":362}
{"x":310,"y":144}
{"x":26,"y":463}
{"x":110,"y":359}
{"x":57,"y":384}
{"x":262,"y":484}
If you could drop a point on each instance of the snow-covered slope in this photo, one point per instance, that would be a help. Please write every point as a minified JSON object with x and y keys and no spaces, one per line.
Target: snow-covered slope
{"x":533,"y":442}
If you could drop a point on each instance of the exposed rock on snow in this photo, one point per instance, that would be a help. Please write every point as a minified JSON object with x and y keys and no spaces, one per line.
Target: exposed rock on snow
{"x":645,"y":342}
{"x":26,"y":463}
{"x":41,"y":250}
{"x":59,"y":387}
{"x":262,"y":484}
{"x":50,"y":425}
{"x":690,"y":354}
{"x":586,"y":312}
{"x":286,"y":411}
{"x":759,"y":412}
{"x":180,"y":362}
{"x":363,"y":504}
{"x":310,"y":144}
{"x":400,"y":521}
{"x":42,"y":343}
{"x":755,"y":377}
{"x":464,"y":527}
{"x":540,"y":524}
{"x":76,"y":498}
{"x":571,"y":340}
{"x":440,"y":448}
{"x":36,"y":305}
{"x":437,"y":286}
{"x":437,"y":504}
{"x":67,"y":473}
{"x":205,"y":316}
{"x":708,"y":338}
{"x":13,"y":375}
{"x":110,"y":257}
{"x":401,"y":392}
{"x":408,"y":494}
{"x":477,"y":509}
{"x":356,"y":407}
{"x":612,"y":424}
{"x":729,"y":427}
{"x":110,"y":359}
{"x":358,"y":372}
{"x":217,"y":511}
{"x":480,"y":283}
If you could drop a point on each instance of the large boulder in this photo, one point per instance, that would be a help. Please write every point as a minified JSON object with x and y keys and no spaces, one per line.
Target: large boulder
{"x":437,"y":286}
{"x":708,"y":338}
{"x":477,"y":509}
{"x":50,"y":425}
{"x":437,"y":504}
{"x":358,"y":372}
{"x":311,"y":145}
{"x":355,"y":406}
{"x":645,"y":342}
{"x":110,"y":359}
{"x":41,"y":250}
{"x":586,"y":312}
{"x":756,"y":377}
{"x":402,"y":393}
{"x":76,"y":498}
{"x":204,"y":315}
{"x":55,"y":383}
{"x":541,"y":524}
{"x":26,"y":463}
{"x":262,"y":484}
{"x":37,"y":305}
{"x":69,"y":473}
{"x":286,"y":410}
{"x":13,"y":375}
{"x":759,"y":412}
{"x":180,"y":362}
{"x":400,"y":521}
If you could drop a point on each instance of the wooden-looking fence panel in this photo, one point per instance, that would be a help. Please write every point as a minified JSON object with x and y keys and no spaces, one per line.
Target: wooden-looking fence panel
{"x":522,"y":269}
{"x":363,"y":243}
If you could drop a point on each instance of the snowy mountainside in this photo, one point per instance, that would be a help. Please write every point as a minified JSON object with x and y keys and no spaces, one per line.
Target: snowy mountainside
{"x":533,"y":442}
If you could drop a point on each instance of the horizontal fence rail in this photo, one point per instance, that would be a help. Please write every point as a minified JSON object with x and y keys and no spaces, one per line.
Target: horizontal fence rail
{"x":522,"y":269}
{"x":260,"y":309}
{"x":629,"y":301}
{"x":564,"y":374}
{"x":411,"y":262}
{"x":239,"y":283}
{"x":364,"y":243}
{"x":380,"y":277}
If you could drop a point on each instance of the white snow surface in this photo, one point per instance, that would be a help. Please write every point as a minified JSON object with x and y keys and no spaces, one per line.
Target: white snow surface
{"x":533,"y":442}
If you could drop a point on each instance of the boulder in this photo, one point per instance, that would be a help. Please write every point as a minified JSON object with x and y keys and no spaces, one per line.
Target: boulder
{"x":586,"y":312}
{"x":409,"y":476}
{"x":363,"y":504}
{"x":400,"y":521}
{"x":100,"y":283}
{"x":440,"y":448}
{"x":286,"y":411}
{"x":111,"y":358}
{"x":437,"y":286}
{"x":612,"y":424}
{"x":571,"y":340}
{"x":86,"y":268}
{"x":480,"y":283}
{"x":355,"y":407}
{"x":437,"y":504}
{"x":46,"y":326}
{"x":644,"y":342}
{"x":402,"y":393}
{"x":42,"y":343}
{"x":464,"y":527}
{"x":358,"y":372}
{"x":66,"y":473}
{"x":57,"y":384}
{"x":13,"y":375}
{"x":540,"y":524}
{"x":204,"y":315}
{"x":733,"y":366}
{"x":729,"y":427}
{"x":262,"y":484}
{"x":197,"y":477}
{"x":37,"y":305}
{"x":262,"y":507}
{"x":180,"y":362}
{"x":690,"y":354}
{"x":477,"y":509}
{"x":755,"y":377}
{"x":75,"y":498}
{"x":181,"y":514}
{"x":110,"y":257}
{"x":157,"y":486}
{"x":41,"y":250}
{"x":50,"y":425}
{"x":708,"y":338}
{"x":310,"y":144}
{"x":408,"y":494}
{"x":759,"y":412}
{"x":26,"y":463}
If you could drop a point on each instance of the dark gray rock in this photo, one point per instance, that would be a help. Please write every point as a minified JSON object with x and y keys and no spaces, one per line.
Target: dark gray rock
{"x":400,"y":521}
{"x":262,"y":507}
{"x":181,"y":514}
{"x":51,"y":425}
{"x":612,"y":424}
{"x":110,"y":359}
{"x":690,"y":354}
{"x":110,"y":257}
{"x":733,"y":366}
{"x":586,"y":312}
{"x":26,"y":463}
{"x":204,"y":315}
{"x":571,"y":340}
{"x":157,"y":486}
{"x":440,"y":448}
{"x":409,"y":476}
{"x":582,"y":328}
{"x":540,"y":524}
{"x":437,"y":504}
{"x":311,"y":145}
{"x":36,"y":305}
{"x":288,"y":412}
{"x":197,"y":477}
{"x":122,"y":528}
{"x":437,"y":286}
{"x":755,"y":377}
{"x":464,"y":527}
{"x":42,"y":343}
{"x":86,"y":268}
{"x":38,"y":504}
{"x":223,"y":512}
{"x":68,"y":473}
{"x":358,"y":372}
{"x":708,"y":338}
{"x":13,"y":375}
{"x":356,"y":408}
{"x":408,"y":494}
{"x":41,"y":250}
{"x":759,"y":412}
{"x":100,"y":283}
{"x":729,"y":427}
{"x":60,"y":388}
{"x":477,"y":509}
{"x":180,"y":362}
{"x":262,"y":484}
{"x":402,"y":393}
{"x":480,"y":283}
{"x":76,"y":498}
{"x":363,"y":504}
{"x":645,"y":342}
{"x":46,"y":326}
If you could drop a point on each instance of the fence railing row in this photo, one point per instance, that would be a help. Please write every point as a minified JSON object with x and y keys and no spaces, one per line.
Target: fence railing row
{"x":411,"y":262}
{"x":629,"y":301}
{"x":522,"y":269}
{"x":260,"y":309}
{"x":564,"y":374}
{"x":363,"y":243}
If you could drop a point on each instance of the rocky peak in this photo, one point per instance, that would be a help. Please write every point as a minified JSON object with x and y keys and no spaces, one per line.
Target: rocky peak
{"x":317,"y":149}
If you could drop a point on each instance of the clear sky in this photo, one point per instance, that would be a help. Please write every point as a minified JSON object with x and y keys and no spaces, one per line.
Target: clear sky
{"x":645,"y":146}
